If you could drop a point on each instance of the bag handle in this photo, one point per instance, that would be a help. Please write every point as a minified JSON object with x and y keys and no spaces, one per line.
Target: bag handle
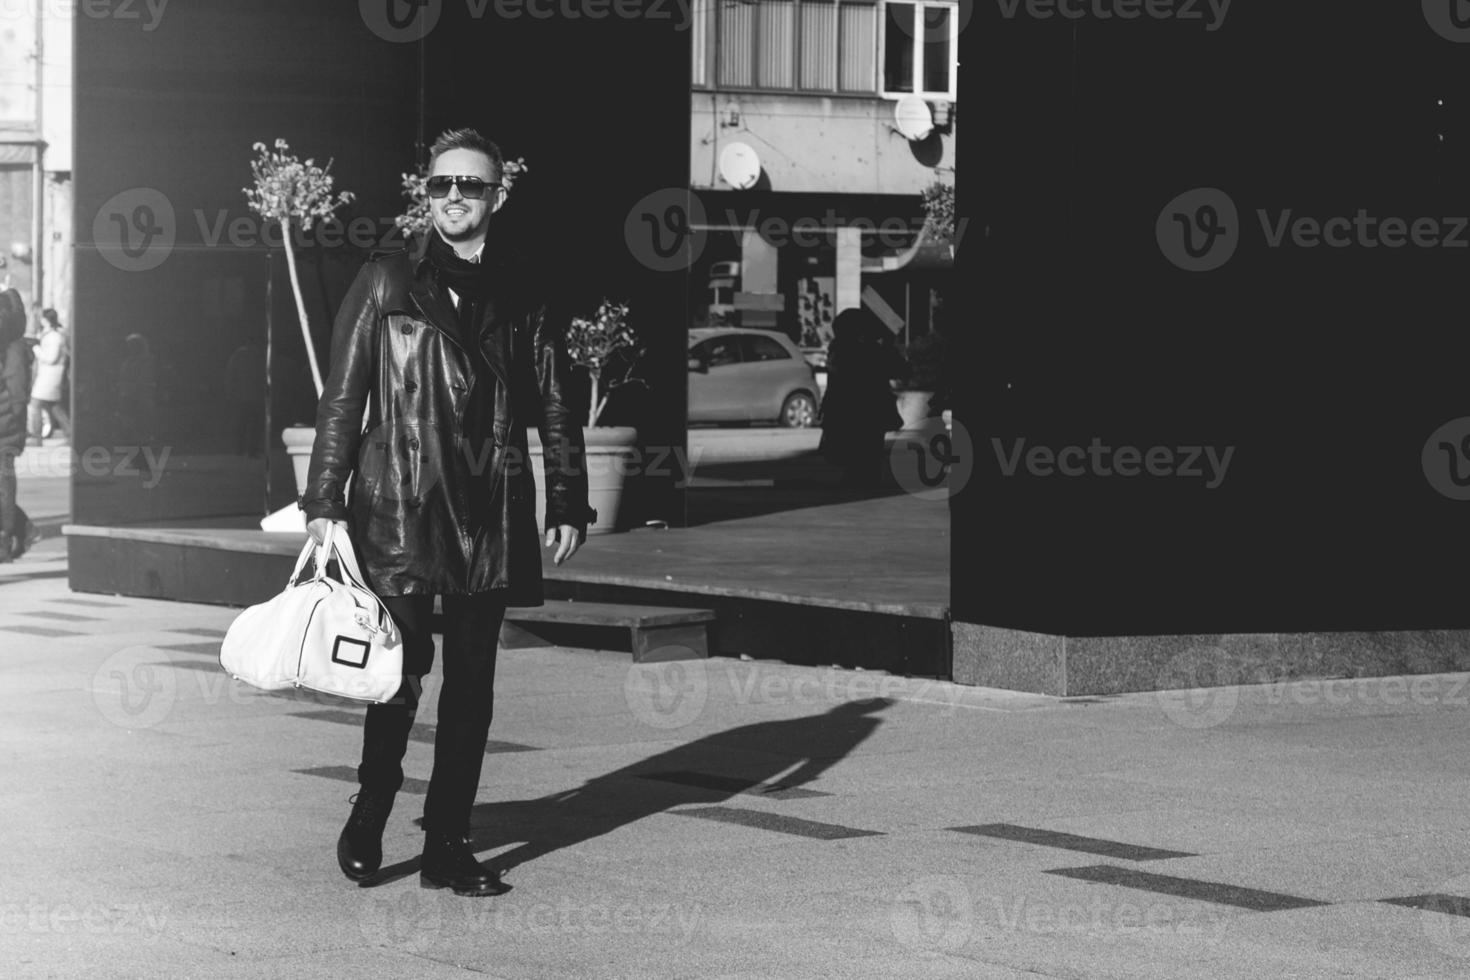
{"x":346,"y":557}
{"x":309,"y":549}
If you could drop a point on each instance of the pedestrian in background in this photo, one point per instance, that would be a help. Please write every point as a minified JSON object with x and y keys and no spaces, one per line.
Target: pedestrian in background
{"x":859,"y":406}
{"x":17,"y":533}
{"x":48,"y":411}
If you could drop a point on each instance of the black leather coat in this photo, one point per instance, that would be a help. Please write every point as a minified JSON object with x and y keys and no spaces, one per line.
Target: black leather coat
{"x":393,"y":420}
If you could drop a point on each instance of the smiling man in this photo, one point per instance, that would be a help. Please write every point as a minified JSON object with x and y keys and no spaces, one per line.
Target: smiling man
{"x":438,"y":365}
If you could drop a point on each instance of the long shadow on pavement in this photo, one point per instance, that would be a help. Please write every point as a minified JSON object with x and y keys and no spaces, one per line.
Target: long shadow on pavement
{"x":624,"y":796}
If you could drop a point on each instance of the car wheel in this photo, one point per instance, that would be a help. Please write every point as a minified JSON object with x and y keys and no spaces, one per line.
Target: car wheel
{"x":799,"y":411}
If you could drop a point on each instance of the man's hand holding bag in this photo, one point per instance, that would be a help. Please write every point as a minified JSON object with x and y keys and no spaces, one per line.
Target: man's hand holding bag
{"x":331,"y":635}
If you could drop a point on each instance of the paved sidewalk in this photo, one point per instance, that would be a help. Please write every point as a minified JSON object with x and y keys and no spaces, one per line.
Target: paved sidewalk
{"x":722,"y":820}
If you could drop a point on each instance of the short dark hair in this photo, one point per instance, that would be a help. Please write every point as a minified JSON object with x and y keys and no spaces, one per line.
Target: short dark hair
{"x":467,"y":139}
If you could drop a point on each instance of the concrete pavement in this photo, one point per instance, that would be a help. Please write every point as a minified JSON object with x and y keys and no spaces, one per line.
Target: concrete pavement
{"x":729,"y":819}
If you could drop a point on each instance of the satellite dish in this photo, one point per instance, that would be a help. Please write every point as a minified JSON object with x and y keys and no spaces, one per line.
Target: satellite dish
{"x":913,"y":118}
{"x":740,"y":166}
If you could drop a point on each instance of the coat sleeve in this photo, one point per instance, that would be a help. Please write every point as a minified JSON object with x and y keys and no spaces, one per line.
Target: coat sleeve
{"x":564,"y":448}
{"x":17,"y":376}
{"x":344,"y":399}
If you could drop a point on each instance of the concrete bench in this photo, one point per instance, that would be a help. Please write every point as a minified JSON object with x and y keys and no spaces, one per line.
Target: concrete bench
{"x":657,"y":633}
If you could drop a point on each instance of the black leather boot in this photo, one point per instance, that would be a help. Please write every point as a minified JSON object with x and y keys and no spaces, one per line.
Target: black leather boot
{"x":360,"y":848}
{"x":448,"y":862}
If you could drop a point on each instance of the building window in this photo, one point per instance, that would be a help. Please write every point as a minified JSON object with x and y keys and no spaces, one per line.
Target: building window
{"x":823,"y":46}
{"x":919,"y":43}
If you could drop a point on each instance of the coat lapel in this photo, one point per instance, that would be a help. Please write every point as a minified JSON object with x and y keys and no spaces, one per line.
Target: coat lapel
{"x":492,"y":341}
{"x":436,"y":309}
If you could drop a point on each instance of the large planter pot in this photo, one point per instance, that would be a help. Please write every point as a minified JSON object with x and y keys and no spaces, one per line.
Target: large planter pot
{"x":611,"y":455}
{"x":299,"y":440}
{"x":913,"y":406}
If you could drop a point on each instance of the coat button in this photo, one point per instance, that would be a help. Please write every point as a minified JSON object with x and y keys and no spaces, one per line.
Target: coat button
{"x":411,"y":386}
{"x":407,"y":328}
{"x":413,"y":444}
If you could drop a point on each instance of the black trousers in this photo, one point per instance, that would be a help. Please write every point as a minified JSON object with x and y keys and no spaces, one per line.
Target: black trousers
{"x":466,"y":703}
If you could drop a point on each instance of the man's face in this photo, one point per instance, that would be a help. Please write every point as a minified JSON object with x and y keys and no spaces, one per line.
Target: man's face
{"x":458,"y":218}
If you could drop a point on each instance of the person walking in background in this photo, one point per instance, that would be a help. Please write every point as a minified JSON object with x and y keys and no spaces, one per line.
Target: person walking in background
{"x":438,"y":366}
{"x":47,"y":391}
{"x":859,"y":407}
{"x":17,"y":533}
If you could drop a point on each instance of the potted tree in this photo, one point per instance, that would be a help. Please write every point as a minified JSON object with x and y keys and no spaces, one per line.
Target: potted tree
{"x":288,"y":191}
{"x":606,"y":347}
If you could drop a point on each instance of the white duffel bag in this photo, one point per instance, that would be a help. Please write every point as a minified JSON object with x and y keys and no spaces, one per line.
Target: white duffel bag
{"x":322,"y":634}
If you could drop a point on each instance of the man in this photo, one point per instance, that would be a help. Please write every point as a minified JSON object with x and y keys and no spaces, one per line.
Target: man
{"x":438,"y":364}
{"x":17,"y":533}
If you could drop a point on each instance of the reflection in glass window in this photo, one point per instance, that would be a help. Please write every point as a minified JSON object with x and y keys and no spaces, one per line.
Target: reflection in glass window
{"x":718,"y":351}
{"x":898,"y":53}
{"x":936,"y":49}
{"x":764,"y":349}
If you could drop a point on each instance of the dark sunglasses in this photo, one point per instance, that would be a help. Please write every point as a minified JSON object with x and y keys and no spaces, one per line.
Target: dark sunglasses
{"x":473,"y":188}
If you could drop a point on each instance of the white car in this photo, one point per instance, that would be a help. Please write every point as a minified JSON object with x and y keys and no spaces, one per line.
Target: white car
{"x":744,"y":375}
